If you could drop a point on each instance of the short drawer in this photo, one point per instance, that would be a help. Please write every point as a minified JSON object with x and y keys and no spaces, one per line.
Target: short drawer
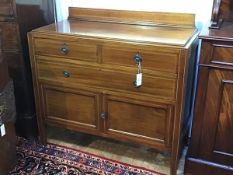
{"x":6,"y":8}
{"x":80,"y":49}
{"x":68,"y":75}
{"x":222,"y":54}
{"x":153,"y":58}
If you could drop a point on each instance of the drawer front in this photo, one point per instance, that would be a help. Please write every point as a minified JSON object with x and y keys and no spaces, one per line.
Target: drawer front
{"x":218,"y":53}
{"x":69,"y":107}
{"x":80,"y":49}
{"x":153,"y":58}
{"x":10,"y":38}
{"x":6,"y":8}
{"x":118,"y":81}
{"x":138,"y":120}
{"x":223,"y":54}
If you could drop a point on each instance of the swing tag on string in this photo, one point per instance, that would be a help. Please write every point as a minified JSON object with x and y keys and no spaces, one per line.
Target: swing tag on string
{"x":139,"y":75}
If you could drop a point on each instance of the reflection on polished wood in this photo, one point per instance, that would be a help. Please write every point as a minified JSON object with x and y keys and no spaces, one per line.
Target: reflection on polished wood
{"x":132,"y":17}
{"x":135,"y":33}
{"x":84,"y":73}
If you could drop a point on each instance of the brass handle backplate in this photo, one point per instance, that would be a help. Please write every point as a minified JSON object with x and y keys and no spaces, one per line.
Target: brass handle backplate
{"x":138,"y":58}
{"x":103,"y":115}
{"x":66,"y":73}
{"x":64,"y":50}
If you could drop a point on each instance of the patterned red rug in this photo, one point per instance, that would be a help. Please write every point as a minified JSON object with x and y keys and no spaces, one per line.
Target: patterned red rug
{"x":35,"y":159}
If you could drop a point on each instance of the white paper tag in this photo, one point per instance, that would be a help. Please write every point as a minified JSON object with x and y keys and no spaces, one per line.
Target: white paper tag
{"x":139,"y":79}
{"x":3,"y":130}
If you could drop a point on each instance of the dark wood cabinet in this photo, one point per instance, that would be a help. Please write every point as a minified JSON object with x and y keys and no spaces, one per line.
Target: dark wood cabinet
{"x":211,"y":148}
{"x":7,"y":141}
{"x":17,"y":17}
{"x":84,"y":73}
{"x":8,"y":149}
{"x":211,"y":143}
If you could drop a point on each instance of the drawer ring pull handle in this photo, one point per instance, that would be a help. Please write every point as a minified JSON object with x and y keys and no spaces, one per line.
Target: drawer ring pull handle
{"x":64,"y":50}
{"x":138,"y":58}
{"x":66,"y":74}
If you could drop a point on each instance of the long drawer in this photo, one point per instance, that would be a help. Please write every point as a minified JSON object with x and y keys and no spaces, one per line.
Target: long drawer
{"x":66,"y":74}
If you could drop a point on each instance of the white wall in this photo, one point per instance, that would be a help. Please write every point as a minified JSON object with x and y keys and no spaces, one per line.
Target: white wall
{"x":202,"y":8}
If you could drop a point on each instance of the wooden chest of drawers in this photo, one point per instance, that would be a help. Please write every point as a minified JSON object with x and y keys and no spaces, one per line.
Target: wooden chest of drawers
{"x":84,"y":72}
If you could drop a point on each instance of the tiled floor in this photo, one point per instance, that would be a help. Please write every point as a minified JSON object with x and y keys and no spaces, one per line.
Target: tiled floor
{"x":120,"y":151}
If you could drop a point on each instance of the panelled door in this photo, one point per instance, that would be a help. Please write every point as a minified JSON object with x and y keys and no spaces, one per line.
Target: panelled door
{"x":217,"y":130}
{"x":140,"y":121}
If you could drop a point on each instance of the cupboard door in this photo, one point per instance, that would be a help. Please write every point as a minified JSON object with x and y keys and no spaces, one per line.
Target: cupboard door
{"x":217,"y":130}
{"x":71,"y":108}
{"x":143,"y":122}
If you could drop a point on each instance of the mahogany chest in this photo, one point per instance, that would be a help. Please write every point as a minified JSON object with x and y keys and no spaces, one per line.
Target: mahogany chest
{"x":87,"y":74}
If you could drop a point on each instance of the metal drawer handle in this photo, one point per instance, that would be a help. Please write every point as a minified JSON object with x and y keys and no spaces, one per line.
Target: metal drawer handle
{"x":66,"y":73}
{"x":138,"y":58}
{"x":103,"y":115}
{"x":64,"y":50}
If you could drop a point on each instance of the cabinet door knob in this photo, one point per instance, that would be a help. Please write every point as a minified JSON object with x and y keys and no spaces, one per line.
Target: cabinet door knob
{"x":64,"y":50}
{"x":66,"y":74}
{"x":103,"y":115}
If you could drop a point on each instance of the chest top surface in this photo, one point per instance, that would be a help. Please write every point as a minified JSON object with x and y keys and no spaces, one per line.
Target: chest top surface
{"x":153,"y":28}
